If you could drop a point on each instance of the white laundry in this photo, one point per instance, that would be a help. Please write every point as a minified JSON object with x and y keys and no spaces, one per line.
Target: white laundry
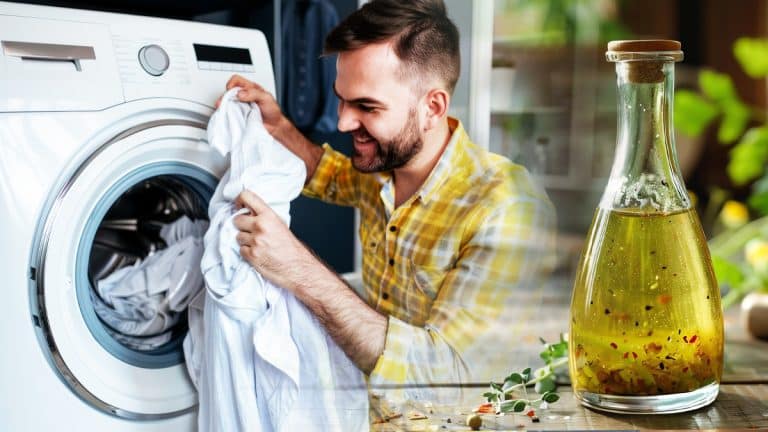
{"x":259,"y":359}
{"x":141,"y":303}
{"x":181,"y":228}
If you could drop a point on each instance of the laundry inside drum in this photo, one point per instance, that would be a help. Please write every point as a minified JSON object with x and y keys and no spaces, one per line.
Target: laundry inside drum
{"x":144,"y":264}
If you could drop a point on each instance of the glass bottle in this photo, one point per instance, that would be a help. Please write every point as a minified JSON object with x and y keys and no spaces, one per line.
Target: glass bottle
{"x":646,"y":331}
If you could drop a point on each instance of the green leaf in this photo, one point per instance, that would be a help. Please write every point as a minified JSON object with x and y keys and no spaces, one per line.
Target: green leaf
{"x":752,"y":54}
{"x":491,"y":396}
{"x":519,"y":405}
{"x":717,"y":86}
{"x":726,"y":272}
{"x":508,"y":407}
{"x":550,"y":397}
{"x":735,"y":119}
{"x":758,"y":200}
{"x":526,"y":374}
{"x":693,"y":113}
{"x":560,"y":349}
{"x":514,"y":378}
{"x":496,"y":387}
{"x":748,"y":157}
{"x":508,"y":385}
{"x":544,"y":386}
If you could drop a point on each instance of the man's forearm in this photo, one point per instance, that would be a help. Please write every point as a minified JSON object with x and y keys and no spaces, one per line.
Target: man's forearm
{"x":358,"y":329}
{"x":287,"y":134}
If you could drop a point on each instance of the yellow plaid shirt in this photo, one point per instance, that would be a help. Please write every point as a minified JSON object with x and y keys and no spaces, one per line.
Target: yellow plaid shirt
{"x":444,"y":265}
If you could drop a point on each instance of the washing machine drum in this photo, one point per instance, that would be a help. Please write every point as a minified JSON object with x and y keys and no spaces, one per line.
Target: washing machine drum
{"x":122,"y":352}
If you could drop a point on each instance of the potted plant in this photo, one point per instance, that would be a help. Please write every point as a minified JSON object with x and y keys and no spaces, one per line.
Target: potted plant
{"x":740,"y":251}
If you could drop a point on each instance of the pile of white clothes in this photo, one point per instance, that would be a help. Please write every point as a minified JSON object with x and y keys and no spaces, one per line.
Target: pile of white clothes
{"x":141,"y":303}
{"x":259,"y":359}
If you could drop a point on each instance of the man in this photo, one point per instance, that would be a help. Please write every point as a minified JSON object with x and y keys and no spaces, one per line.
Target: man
{"x":452,"y":235}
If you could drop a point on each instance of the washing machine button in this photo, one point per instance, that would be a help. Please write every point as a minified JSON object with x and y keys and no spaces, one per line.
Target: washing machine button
{"x":153,"y":59}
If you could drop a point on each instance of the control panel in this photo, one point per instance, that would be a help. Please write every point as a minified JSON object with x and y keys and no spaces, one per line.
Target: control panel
{"x":102,"y":59}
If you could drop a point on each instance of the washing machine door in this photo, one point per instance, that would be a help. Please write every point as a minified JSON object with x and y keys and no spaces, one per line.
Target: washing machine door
{"x":105,"y":217}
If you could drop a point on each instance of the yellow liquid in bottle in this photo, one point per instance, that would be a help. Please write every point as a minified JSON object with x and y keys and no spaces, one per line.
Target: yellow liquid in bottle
{"x":645,"y":312}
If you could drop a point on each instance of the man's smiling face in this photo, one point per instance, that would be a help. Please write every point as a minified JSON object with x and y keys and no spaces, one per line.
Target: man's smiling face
{"x":378,"y":107}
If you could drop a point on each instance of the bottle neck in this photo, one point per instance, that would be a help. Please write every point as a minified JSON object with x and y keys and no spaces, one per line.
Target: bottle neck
{"x":646,"y":175}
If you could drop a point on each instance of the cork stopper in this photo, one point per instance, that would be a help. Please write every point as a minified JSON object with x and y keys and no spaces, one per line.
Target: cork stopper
{"x":649,"y":45}
{"x":645,"y":58}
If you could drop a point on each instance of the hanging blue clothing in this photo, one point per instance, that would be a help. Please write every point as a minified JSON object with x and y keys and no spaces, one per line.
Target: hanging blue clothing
{"x":308,"y":97}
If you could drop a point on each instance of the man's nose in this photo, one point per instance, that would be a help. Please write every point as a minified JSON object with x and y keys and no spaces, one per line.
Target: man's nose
{"x":347,"y":119}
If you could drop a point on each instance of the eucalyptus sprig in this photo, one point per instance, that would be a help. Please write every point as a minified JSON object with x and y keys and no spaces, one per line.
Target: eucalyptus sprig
{"x":543,"y":379}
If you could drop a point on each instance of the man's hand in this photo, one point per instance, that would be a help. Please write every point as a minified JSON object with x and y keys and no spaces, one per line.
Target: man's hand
{"x":251,"y":92}
{"x":276,"y":123}
{"x":267,"y":243}
{"x":270,"y":247}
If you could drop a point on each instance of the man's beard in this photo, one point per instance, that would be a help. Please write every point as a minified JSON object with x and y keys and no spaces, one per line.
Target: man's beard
{"x":394,"y":153}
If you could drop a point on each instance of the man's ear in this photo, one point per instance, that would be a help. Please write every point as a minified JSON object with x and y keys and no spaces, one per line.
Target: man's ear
{"x":437,"y":102}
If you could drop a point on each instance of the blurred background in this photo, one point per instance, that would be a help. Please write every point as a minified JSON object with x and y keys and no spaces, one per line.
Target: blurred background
{"x":560,"y":120}
{"x":536,"y":88}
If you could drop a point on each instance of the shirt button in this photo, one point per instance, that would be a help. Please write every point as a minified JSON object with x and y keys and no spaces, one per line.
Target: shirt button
{"x":393,"y":228}
{"x":385,"y":296}
{"x":391,"y":261}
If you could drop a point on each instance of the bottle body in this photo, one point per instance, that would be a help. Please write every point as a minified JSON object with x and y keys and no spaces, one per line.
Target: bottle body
{"x":645,"y":313}
{"x":646,"y":330}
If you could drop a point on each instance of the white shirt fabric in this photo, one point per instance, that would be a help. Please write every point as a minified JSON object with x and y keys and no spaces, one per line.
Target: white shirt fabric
{"x":259,"y":359}
{"x":141,"y":303}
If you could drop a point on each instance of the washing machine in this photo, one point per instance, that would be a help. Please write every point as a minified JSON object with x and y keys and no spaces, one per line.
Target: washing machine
{"x":102,"y":139}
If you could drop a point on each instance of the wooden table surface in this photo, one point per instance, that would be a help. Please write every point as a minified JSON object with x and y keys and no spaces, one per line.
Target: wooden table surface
{"x":741,"y":404}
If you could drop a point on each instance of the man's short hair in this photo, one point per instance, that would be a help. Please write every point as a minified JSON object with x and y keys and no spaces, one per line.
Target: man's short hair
{"x":424,"y":39}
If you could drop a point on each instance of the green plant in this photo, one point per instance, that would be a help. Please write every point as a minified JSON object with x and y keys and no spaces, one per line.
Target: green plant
{"x":719,"y":101}
{"x":740,"y":253}
{"x":505,"y":397}
{"x":740,"y":260}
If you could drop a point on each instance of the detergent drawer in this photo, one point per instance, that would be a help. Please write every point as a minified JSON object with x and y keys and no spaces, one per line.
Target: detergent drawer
{"x":48,"y":65}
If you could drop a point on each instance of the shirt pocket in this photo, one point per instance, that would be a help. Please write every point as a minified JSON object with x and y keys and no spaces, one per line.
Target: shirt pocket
{"x":423,"y":286}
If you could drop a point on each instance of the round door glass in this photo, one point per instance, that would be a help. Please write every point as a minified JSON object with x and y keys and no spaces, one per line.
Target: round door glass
{"x":138,"y":264}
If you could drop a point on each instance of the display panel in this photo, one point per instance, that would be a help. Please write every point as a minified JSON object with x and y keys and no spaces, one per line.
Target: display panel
{"x":222,"y":54}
